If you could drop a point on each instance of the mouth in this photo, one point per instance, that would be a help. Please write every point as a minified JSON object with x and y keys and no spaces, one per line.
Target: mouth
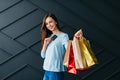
{"x":51,"y":27}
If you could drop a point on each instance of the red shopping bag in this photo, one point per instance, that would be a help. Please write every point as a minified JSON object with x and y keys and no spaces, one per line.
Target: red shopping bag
{"x":71,"y":64}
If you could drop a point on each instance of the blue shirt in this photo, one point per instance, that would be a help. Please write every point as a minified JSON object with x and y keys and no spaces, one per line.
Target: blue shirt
{"x":54,"y":54}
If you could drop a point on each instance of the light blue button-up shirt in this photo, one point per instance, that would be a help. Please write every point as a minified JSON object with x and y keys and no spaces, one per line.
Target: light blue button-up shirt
{"x":54,"y":54}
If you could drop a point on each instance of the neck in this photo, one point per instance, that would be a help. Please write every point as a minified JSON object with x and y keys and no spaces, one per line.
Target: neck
{"x":56,"y":31}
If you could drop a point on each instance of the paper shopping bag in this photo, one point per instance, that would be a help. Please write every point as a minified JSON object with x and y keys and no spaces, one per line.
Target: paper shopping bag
{"x":80,"y":61}
{"x":84,"y":56}
{"x":71,"y":64}
{"x":66,"y":57}
{"x":88,"y":52}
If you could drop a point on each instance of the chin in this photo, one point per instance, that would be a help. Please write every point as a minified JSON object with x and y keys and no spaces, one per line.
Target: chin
{"x":52,"y":29}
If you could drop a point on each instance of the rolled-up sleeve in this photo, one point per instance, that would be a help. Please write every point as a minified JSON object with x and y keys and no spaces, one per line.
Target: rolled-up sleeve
{"x":42,"y":54}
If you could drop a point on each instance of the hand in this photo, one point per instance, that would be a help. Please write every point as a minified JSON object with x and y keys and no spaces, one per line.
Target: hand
{"x":79,"y":34}
{"x":47,"y":41}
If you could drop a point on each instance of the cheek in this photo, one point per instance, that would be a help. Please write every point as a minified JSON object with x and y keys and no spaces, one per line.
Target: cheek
{"x":51,"y":26}
{"x":47,"y":27}
{"x":54,"y":25}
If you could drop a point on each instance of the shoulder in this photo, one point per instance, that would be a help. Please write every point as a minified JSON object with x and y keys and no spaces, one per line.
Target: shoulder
{"x":64,"y":34}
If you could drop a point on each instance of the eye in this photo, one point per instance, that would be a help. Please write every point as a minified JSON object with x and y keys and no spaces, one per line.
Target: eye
{"x":46,"y":23}
{"x":50,"y":22}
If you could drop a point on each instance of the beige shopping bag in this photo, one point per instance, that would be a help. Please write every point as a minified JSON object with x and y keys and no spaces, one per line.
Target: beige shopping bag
{"x":66,"y":57}
{"x":80,"y":61}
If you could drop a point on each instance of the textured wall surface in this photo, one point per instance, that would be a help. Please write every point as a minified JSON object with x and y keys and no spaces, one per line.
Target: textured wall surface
{"x":20,"y":38}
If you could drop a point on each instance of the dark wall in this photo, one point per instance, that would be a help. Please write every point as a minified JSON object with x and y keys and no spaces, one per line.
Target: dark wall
{"x":20,"y":38}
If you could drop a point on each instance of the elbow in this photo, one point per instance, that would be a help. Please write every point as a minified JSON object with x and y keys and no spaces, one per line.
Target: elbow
{"x":43,"y":55}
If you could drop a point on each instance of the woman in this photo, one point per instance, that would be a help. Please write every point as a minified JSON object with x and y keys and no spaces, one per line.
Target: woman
{"x":54,"y":44}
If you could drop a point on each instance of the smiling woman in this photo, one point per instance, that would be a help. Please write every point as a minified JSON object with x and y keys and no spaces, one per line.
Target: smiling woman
{"x":54,"y":45}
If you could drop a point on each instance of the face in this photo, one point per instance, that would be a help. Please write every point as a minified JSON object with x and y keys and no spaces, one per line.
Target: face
{"x":50,"y":24}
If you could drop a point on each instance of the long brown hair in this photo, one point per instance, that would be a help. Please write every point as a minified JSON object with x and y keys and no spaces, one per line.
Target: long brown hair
{"x":44,"y":31}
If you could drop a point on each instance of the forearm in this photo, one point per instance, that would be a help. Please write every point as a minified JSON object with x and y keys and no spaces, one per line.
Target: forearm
{"x":43,"y":51}
{"x":44,"y":48}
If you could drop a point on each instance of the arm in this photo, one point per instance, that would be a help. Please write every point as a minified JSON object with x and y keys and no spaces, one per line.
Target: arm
{"x":46,"y":42}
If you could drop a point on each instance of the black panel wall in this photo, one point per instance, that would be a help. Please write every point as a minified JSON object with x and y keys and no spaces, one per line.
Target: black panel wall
{"x":20,"y":38}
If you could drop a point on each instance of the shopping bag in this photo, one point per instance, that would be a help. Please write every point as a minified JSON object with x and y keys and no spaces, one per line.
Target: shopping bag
{"x":71,"y":63}
{"x":84,"y":56}
{"x":66,"y":57}
{"x":79,"y":56}
{"x":80,"y":61}
{"x":88,"y":52}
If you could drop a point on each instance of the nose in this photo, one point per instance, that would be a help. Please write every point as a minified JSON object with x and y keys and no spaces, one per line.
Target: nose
{"x":48,"y":25}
